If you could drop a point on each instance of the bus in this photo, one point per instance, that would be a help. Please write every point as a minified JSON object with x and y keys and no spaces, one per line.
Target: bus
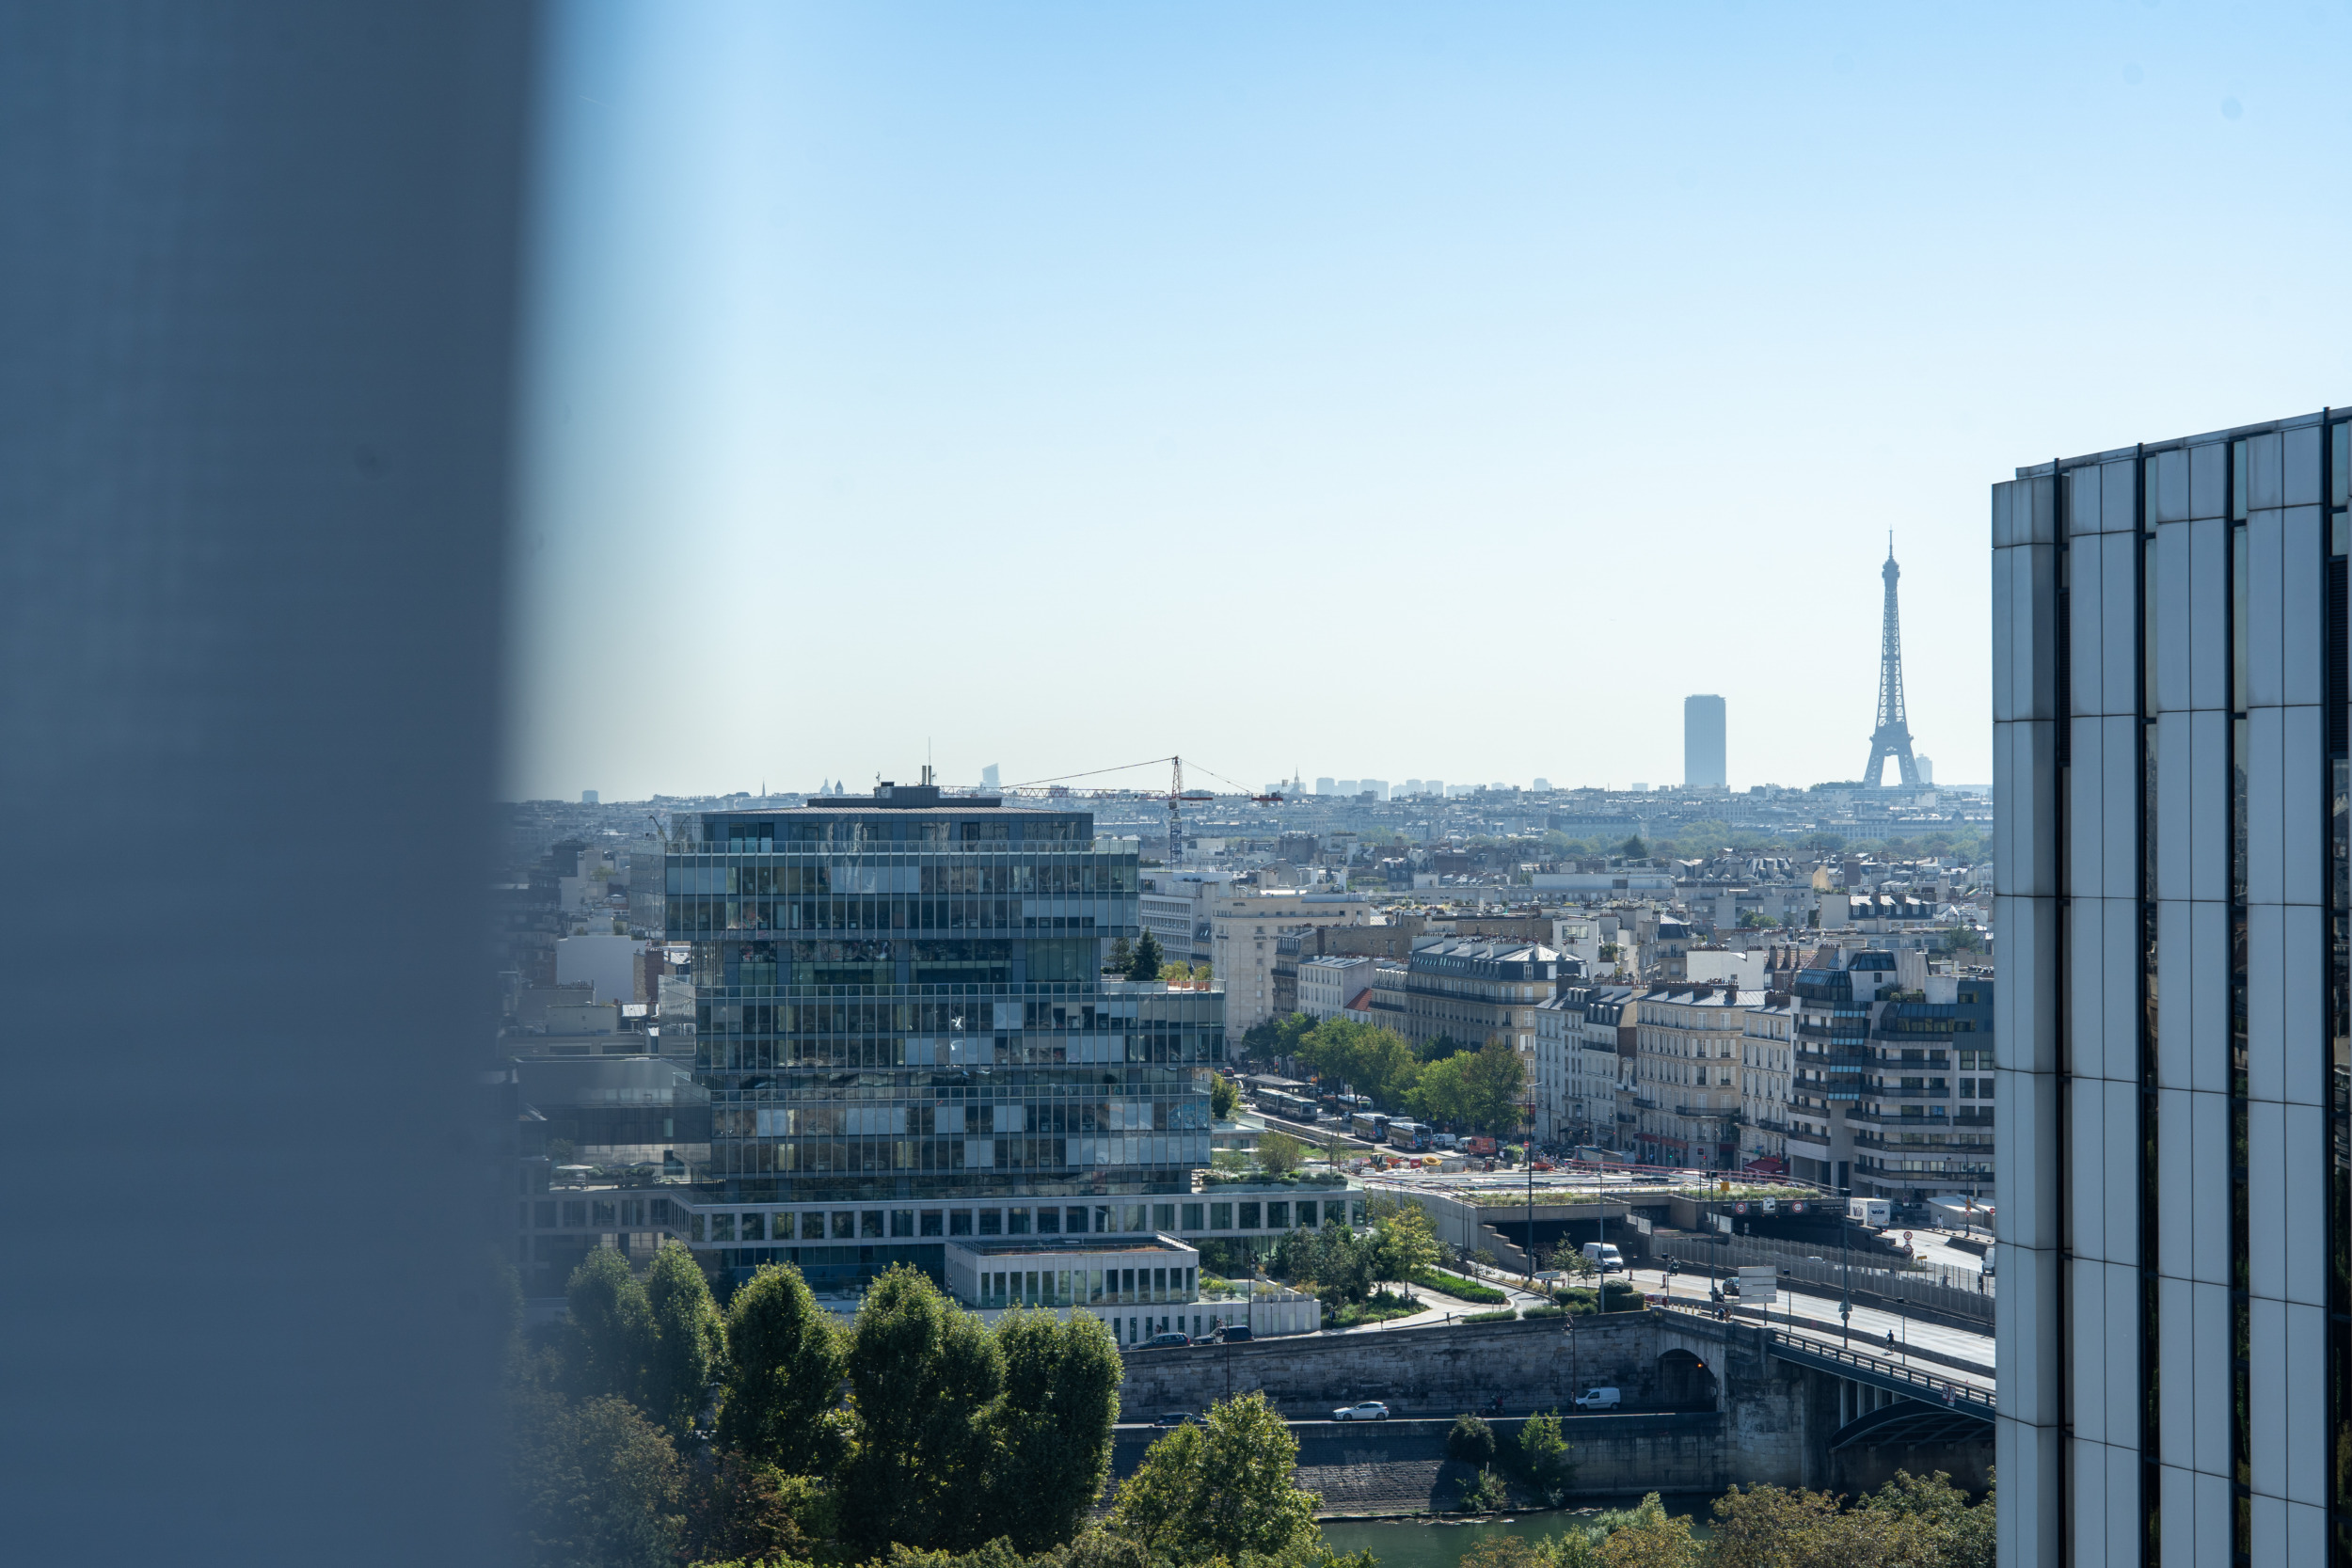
{"x":1371,"y":1126}
{"x":1407,"y":1134}
{"x":1290,"y":1107}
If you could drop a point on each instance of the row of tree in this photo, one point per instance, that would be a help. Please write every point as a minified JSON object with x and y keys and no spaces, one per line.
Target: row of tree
{"x":1342,"y":1266}
{"x":1442,"y":1081}
{"x":919,"y":1425}
{"x":1910,"y":1522}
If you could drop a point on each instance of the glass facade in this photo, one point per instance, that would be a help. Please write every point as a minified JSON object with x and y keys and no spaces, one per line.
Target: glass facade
{"x":899,"y":997}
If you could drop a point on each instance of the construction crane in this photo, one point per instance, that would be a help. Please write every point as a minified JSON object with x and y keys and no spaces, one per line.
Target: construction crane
{"x":1177,"y":794}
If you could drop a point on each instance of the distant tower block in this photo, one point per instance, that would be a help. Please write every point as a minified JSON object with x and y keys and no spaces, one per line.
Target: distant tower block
{"x":1703,"y":743}
{"x":1892,"y":739}
{"x":1927,"y":771}
{"x":588,"y":797}
{"x":988,"y":777}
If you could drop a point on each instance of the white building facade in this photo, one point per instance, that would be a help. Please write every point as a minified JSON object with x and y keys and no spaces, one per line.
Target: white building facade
{"x":1327,"y":984}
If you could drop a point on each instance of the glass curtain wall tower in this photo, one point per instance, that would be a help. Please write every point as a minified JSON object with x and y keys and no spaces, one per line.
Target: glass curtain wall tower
{"x":2170,"y":689}
{"x":899,"y":997}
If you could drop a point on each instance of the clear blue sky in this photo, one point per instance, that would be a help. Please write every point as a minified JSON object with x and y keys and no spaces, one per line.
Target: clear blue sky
{"x":1386,"y":391}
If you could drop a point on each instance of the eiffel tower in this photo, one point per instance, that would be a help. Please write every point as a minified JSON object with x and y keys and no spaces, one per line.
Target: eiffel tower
{"x":1892,"y":739}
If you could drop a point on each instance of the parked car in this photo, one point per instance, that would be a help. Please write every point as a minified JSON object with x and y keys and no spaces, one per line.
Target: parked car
{"x":1234,"y":1334}
{"x":1597,"y":1399}
{"x":1177,"y":1419}
{"x":1371,"y":1410}
{"x":1163,"y":1341}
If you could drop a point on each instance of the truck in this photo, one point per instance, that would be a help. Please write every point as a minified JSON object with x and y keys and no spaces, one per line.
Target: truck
{"x":1479,"y":1145}
{"x":1874,"y":1211}
{"x":1757,"y":1284}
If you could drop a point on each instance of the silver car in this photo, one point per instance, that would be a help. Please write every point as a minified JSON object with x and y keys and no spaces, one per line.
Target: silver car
{"x":1371,"y":1410}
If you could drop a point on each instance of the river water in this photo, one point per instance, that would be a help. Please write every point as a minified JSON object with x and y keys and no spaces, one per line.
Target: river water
{"x":1417,"y":1543}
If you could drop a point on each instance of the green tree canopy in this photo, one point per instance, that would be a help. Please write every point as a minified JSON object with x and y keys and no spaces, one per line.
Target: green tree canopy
{"x":1051,"y":1428}
{"x":1335,"y":1262}
{"x":1480,"y":1089}
{"x":921,"y":1371}
{"x":785,"y":1365}
{"x":1633,"y":848}
{"x":1404,"y":1244}
{"x":611,"y":1332}
{"x":1221,"y":1489}
{"x":1224,"y":1094}
{"x":594,"y":1484}
{"x":688,"y":1341}
{"x":1370,"y":1059}
{"x":1544,"y":1457}
{"x":1278,"y":1153}
{"x":1147,"y":958}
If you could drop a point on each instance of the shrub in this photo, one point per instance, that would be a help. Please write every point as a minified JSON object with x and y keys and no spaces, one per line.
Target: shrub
{"x":1500,"y":1315}
{"x":1472,"y":1441}
{"x":1459,"y":1288}
{"x":1485,"y":1492}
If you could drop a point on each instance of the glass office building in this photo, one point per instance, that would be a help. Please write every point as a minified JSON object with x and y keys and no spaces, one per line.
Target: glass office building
{"x":2172,"y":911}
{"x":899,"y":1000}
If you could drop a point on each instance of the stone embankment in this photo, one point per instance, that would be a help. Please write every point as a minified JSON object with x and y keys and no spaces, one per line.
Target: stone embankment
{"x":1704,"y":1407}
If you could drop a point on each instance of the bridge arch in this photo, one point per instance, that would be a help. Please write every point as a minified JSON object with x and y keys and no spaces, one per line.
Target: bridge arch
{"x":1685,"y":1380}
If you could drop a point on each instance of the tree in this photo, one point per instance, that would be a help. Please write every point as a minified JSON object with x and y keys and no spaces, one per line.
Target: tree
{"x":1404,"y":1244}
{"x":785,"y":1365}
{"x":1220,"y":1489}
{"x":1224,"y":1094}
{"x":1123,"y":955}
{"x":688,"y":1341}
{"x":921,"y":1371}
{"x":1633,"y":848}
{"x":742,"y":1510}
{"x":611,"y":1331}
{"x":1334,"y":1262}
{"x":1145,"y":964}
{"x":1645,"y":1537}
{"x":1439,"y":1048}
{"x":1278,"y":1153}
{"x":1051,"y":1429}
{"x":1544,"y":1457}
{"x":1479,"y":1089}
{"x":594,"y":1484}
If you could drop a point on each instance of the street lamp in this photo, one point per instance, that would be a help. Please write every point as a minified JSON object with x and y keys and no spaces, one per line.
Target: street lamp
{"x":1528,"y":1152}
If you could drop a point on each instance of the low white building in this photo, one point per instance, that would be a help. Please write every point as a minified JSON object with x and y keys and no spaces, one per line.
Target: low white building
{"x":1327,"y":984}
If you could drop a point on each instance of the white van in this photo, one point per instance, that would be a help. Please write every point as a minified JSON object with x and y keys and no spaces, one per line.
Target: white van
{"x":1875,"y":1211}
{"x":1604,"y":1256}
{"x":1597,"y":1399}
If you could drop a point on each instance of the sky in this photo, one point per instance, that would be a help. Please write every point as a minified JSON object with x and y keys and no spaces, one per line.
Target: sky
{"x":1360,"y":390}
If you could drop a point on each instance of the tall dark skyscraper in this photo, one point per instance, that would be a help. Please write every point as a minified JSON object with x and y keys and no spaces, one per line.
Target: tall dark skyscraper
{"x":1703,"y":743}
{"x":898,"y":1002}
